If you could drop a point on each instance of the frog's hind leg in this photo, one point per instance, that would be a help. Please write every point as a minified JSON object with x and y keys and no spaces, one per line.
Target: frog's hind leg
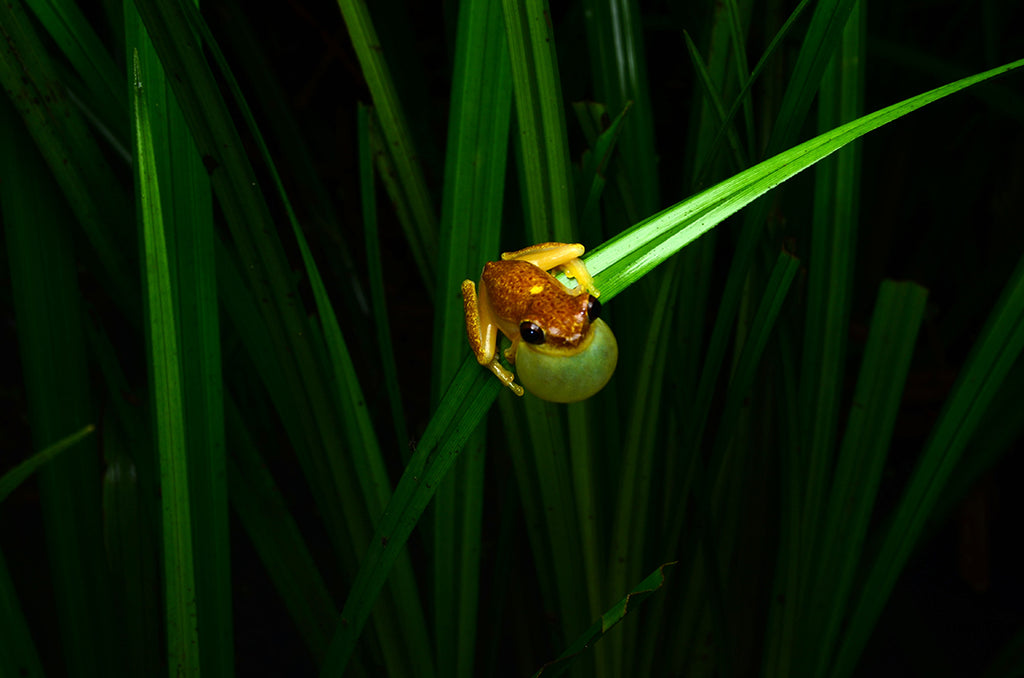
{"x":546,"y":255}
{"x":575,"y":268}
{"x":483,"y":336}
{"x":557,"y":255}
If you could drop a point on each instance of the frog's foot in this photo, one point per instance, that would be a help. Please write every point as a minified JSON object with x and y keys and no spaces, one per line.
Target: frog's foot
{"x":504,"y":376}
{"x":576,"y":269}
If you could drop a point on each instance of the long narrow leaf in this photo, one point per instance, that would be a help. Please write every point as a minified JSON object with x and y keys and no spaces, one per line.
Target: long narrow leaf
{"x":651,"y":584}
{"x":376,"y":274}
{"x":618,"y":66}
{"x":185,"y":197}
{"x":541,"y":121}
{"x":470,"y":395}
{"x":14,"y":477}
{"x":182,"y":633}
{"x":277,"y":538}
{"x":628,"y":256}
{"x":421,"y":230}
{"x":471,"y":219}
{"x":81,"y":170}
{"x":995,"y":352}
{"x":876,"y":402}
{"x":47,"y":300}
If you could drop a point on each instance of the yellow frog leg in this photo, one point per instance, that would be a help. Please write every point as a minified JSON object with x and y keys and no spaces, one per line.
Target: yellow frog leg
{"x":482,"y":332}
{"x":511,"y":351}
{"x":557,"y":255}
{"x":546,"y":255}
{"x":575,"y":268}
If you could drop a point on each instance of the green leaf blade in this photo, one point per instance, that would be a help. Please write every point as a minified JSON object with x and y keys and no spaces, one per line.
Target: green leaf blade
{"x":182,"y":633}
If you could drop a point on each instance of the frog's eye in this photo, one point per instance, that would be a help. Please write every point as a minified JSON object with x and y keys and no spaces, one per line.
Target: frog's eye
{"x":531,"y":332}
{"x":593,"y":309}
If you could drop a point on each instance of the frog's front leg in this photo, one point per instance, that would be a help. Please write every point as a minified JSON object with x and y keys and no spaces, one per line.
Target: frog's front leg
{"x":557,"y":255}
{"x":483,"y":335}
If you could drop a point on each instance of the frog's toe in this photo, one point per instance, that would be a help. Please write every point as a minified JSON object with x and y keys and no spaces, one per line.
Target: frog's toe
{"x":505,"y":377}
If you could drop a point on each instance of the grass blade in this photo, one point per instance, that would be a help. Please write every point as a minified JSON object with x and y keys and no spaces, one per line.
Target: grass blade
{"x":421,"y":229}
{"x":820,"y":41}
{"x":166,"y":379}
{"x":186,"y":200}
{"x":86,"y":53}
{"x":11,"y":479}
{"x":602,"y":138}
{"x":404,"y":610}
{"x":376,"y":274}
{"x":630,"y":522}
{"x":826,"y":323}
{"x":475,"y":165}
{"x":80,"y":168}
{"x":830,"y":280}
{"x":775,"y":292}
{"x":541,"y":122}
{"x":650,"y":585}
{"x":359,"y":481}
{"x":629,"y":256}
{"x":558,"y":528}
{"x":131,"y":514}
{"x":739,"y":156}
{"x":743,"y":97}
{"x":894,"y":326}
{"x":47,"y":303}
{"x":467,"y":400}
{"x":619,"y":69}
{"x":348,"y":488}
{"x":996,"y":350}
{"x":277,"y":538}
{"x":471,"y":218}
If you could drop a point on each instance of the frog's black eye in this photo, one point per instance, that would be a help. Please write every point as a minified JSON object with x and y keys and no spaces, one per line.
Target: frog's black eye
{"x":531,"y":332}
{"x":593,"y":309}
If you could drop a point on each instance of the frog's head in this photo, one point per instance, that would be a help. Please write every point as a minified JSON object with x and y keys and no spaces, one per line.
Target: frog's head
{"x":571,"y":363}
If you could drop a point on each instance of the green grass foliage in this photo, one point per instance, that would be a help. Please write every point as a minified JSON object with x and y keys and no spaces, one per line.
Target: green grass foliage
{"x":246,"y":432}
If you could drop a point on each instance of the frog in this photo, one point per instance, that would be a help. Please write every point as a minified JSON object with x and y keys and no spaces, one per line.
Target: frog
{"x":562,"y":350}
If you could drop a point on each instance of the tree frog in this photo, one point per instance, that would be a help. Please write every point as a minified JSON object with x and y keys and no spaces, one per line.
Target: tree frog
{"x":562,"y":351}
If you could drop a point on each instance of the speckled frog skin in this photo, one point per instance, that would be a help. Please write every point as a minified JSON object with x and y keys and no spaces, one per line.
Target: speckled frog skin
{"x":562,"y":350}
